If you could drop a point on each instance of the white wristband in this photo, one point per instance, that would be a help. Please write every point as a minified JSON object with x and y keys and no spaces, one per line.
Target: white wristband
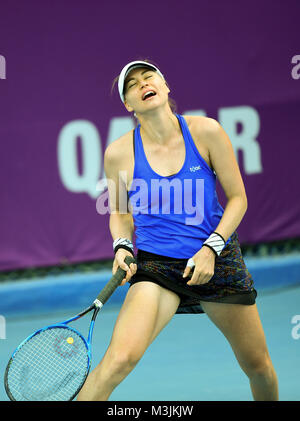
{"x":215,"y":242}
{"x":123,"y":243}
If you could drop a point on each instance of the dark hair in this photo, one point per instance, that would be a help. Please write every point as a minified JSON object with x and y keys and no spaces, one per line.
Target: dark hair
{"x":171,"y":101}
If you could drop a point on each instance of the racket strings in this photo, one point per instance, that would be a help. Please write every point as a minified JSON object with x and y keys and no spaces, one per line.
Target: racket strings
{"x":52,"y":365}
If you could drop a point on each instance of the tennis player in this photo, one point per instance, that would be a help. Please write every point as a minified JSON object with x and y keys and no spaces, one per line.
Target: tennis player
{"x":189,"y":258}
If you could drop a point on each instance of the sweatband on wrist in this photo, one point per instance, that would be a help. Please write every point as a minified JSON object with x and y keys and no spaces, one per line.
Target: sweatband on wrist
{"x":123,"y":243}
{"x":215,"y":242}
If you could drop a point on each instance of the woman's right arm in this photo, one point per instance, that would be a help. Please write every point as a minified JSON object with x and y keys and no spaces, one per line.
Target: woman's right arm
{"x":120,"y":221}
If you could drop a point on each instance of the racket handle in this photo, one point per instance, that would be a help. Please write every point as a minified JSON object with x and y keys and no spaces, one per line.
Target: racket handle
{"x":112,"y":285}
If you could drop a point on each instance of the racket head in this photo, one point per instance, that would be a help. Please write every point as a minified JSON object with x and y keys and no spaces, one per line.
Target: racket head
{"x":50,"y":365}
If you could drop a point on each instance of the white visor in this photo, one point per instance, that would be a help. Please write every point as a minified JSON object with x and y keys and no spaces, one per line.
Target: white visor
{"x":128,"y":68}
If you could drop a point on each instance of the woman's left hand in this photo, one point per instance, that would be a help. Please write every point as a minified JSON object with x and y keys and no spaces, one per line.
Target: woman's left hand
{"x":204,"y":267}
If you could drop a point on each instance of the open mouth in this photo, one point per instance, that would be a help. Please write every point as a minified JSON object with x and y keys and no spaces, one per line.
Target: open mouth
{"x":148,"y":95}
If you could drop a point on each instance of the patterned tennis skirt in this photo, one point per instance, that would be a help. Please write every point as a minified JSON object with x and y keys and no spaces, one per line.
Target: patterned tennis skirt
{"x":231,"y":282}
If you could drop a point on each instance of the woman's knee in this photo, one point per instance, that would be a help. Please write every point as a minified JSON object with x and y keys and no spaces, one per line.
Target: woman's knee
{"x":258,"y":366}
{"x":123,"y":361}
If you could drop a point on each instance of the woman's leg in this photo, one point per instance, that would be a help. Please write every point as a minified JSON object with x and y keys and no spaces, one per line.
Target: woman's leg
{"x":242,"y":327}
{"x":147,"y":308}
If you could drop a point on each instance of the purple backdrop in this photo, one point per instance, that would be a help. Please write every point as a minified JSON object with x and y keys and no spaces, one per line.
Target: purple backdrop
{"x":234,"y":62}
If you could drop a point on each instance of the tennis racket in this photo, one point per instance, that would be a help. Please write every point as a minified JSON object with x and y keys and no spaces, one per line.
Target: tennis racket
{"x":53,"y":363}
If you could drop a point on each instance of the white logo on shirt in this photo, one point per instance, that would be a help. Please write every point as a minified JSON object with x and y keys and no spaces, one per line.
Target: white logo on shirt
{"x":193,"y":169}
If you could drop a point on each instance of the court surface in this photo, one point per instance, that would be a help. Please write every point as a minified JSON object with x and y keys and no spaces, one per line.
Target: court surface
{"x":190,"y":359}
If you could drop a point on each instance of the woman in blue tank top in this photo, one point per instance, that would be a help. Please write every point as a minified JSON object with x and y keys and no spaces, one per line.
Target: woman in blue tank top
{"x":188,"y":256}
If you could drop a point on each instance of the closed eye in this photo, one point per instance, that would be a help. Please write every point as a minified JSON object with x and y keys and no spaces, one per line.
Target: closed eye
{"x":131,"y":85}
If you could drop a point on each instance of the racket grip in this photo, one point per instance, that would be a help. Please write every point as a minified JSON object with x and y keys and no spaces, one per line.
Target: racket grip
{"x":112,"y":285}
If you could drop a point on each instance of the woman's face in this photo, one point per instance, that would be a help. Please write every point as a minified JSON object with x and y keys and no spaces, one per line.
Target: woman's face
{"x":145,"y":90}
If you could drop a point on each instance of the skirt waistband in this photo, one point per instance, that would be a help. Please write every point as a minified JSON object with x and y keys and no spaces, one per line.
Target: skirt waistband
{"x":143,"y":255}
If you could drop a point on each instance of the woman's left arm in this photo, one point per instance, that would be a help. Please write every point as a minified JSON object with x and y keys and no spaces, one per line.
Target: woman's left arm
{"x":223,"y":161}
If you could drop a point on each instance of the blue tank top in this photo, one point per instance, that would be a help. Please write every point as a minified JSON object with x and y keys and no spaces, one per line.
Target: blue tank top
{"x":173,"y":215}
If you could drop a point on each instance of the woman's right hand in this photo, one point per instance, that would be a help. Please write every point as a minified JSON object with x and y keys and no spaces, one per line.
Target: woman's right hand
{"x":119,"y":262}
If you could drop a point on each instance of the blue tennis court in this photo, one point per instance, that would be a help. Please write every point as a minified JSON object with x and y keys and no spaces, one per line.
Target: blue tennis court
{"x":181,"y":365}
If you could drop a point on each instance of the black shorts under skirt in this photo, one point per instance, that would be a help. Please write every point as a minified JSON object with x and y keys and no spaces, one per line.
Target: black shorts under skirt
{"x":231,"y":282}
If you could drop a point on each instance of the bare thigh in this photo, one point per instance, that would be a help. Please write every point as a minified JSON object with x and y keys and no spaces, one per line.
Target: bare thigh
{"x":146,"y":310}
{"x":242,"y":327}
